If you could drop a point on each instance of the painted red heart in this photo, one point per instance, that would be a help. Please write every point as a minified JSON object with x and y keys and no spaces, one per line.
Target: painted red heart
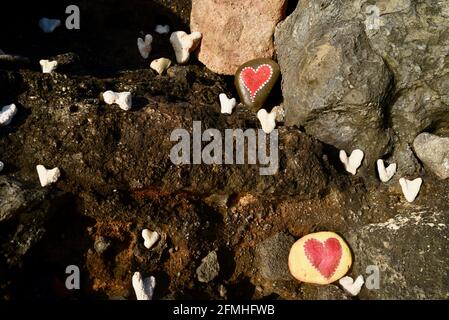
{"x":255,"y":80}
{"x":325,"y":257}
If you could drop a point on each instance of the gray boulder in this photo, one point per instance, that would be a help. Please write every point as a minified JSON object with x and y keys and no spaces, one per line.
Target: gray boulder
{"x":334,"y":84}
{"x":433,"y":151}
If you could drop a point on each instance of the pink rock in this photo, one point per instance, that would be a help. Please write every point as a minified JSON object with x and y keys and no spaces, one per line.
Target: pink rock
{"x":235,"y":32}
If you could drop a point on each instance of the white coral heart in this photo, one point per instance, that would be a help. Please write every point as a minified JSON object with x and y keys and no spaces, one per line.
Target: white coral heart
{"x":227,"y":105}
{"x":47,"y":177}
{"x":351,"y":286}
{"x":122,"y":99}
{"x":7,"y":113}
{"x":160,"y":65}
{"x":184,"y":44}
{"x":267,"y":120}
{"x":48,"y":66}
{"x":49,"y":25}
{"x":385,"y":174}
{"x":162,"y":29}
{"x":144,"y":288}
{"x":410,"y":188}
{"x":150,"y":238}
{"x":144,"y":46}
{"x":352,"y":163}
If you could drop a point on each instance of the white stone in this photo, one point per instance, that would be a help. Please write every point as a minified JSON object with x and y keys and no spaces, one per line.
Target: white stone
{"x":351,"y":286}
{"x":352,"y":163}
{"x":162,"y":29}
{"x":160,"y":65}
{"x":47,"y":177}
{"x":122,"y":99}
{"x":2,"y":165}
{"x":227,"y":105}
{"x":7,"y":113}
{"x":150,"y":238}
{"x":49,"y":25}
{"x":144,"y":46}
{"x":144,"y":288}
{"x":184,"y":44}
{"x":410,"y":188}
{"x":267,"y":120}
{"x":385,"y":174}
{"x":48,"y":66}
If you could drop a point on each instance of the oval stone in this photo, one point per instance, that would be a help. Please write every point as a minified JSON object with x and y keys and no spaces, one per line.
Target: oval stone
{"x":254,"y":81}
{"x":320,"y":258}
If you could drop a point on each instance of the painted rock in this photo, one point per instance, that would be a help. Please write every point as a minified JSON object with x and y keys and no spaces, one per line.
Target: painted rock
{"x":320,"y":258}
{"x":254,"y":81}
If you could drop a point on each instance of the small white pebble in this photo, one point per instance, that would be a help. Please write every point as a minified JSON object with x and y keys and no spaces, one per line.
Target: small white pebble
{"x":2,"y":165}
{"x":267,"y":120}
{"x":353,"y":162}
{"x":184,"y":44}
{"x":144,"y":288}
{"x":48,"y":66}
{"x":351,"y":286}
{"x":46,"y":176}
{"x":410,"y":188}
{"x":385,"y":174}
{"x":144,"y":46}
{"x":122,"y":99}
{"x":227,"y":105}
{"x":150,"y":238}
{"x":162,"y":29}
{"x":7,"y":113}
{"x":49,"y":25}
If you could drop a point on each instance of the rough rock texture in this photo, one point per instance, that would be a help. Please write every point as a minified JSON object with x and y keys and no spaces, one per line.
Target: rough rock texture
{"x":410,"y":251}
{"x":209,"y":268}
{"x":433,"y":151}
{"x":326,"y":44}
{"x":273,"y":256}
{"x":235,"y":32}
{"x":334,"y":84}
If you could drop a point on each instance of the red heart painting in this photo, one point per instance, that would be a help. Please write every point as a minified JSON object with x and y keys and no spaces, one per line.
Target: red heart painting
{"x":325,"y":257}
{"x":255,"y":80}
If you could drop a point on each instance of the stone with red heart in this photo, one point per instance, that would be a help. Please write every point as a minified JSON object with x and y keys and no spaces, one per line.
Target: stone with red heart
{"x":320,"y":258}
{"x":254,"y":81}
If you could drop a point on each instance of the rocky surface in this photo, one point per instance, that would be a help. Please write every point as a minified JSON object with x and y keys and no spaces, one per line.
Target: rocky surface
{"x":353,"y":77}
{"x":235,"y":32}
{"x":433,"y":151}
{"x":117,"y":178}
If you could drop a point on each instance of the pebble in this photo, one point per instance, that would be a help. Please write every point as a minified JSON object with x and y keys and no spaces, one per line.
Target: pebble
{"x":320,"y":258}
{"x":162,"y":29}
{"x":101,"y":244}
{"x":144,"y":288}
{"x":255,"y":80}
{"x":385,"y":174}
{"x":48,"y":66}
{"x":150,"y":238}
{"x":144,"y":46}
{"x":351,"y":286}
{"x":122,"y":99}
{"x":209,"y":268}
{"x":160,"y":65}
{"x":353,"y":162}
{"x":411,"y":188}
{"x":47,"y":177}
{"x":227,"y":105}
{"x":49,"y":25}
{"x":2,"y":165}
{"x":184,"y":44}
{"x":267,"y":120}
{"x":7,"y":113}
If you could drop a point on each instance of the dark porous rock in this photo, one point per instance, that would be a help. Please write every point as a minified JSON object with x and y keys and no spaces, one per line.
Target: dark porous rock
{"x":410,"y":251}
{"x":273,"y":257}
